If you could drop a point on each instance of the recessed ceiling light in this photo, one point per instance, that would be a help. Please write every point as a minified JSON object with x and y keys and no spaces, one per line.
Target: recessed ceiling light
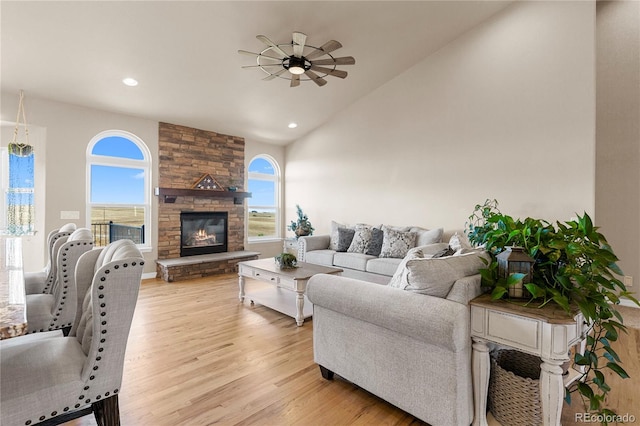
{"x":130,"y":81}
{"x":292,"y":125}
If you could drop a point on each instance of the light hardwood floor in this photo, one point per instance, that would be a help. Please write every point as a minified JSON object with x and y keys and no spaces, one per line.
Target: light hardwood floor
{"x":197,"y":356}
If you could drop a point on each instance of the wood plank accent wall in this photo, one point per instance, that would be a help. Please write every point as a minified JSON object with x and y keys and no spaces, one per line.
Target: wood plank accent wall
{"x":185,"y":154}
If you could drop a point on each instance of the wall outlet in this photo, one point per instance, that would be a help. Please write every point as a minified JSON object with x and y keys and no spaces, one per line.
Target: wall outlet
{"x":628,"y":281}
{"x":69,"y":214}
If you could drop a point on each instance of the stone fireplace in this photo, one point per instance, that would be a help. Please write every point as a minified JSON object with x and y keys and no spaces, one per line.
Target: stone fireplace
{"x":185,"y":154}
{"x":203,"y":233}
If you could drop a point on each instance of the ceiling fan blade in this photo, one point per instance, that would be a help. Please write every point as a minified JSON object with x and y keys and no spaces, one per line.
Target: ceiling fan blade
{"x":330,"y":71}
{"x":328,"y":47}
{"x":275,"y":47}
{"x":316,"y":78}
{"x":299,"y":39}
{"x":346,"y":60}
{"x":263,"y":65}
{"x":295,"y":80}
{"x":272,"y":76}
{"x":244,"y":52}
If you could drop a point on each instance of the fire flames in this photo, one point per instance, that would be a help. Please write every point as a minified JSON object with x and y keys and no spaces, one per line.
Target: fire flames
{"x":202,"y":238}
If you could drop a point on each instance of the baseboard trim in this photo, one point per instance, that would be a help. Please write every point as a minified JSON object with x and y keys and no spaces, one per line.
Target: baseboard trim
{"x":149,"y":275}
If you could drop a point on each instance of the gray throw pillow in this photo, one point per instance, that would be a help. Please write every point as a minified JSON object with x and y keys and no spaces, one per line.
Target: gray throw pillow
{"x":361,"y":239}
{"x":436,"y":276}
{"x":333,"y":242}
{"x":375,"y":244}
{"x":396,"y":244}
{"x":345,"y":236}
{"x":427,"y":236}
{"x":444,"y":253}
{"x":399,"y":278}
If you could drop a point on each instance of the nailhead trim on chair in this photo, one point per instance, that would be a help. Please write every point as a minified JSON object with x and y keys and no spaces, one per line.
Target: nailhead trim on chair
{"x":100,"y":349}
{"x":51,"y":278}
{"x":53,"y":325}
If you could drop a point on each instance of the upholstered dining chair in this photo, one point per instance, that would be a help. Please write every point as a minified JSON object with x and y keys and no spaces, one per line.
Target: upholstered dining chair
{"x":42,"y":281}
{"x":54,"y":379}
{"x":58,"y":309}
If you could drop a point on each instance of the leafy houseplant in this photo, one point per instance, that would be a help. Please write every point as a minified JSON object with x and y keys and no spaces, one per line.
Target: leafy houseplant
{"x":302,"y":226}
{"x":574,"y":267}
{"x":286,"y":261}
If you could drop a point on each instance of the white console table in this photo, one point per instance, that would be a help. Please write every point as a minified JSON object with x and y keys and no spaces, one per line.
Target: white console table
{"x":547,"y":332}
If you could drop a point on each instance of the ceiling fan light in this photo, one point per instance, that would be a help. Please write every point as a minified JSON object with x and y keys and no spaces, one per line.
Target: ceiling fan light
{"x":296,"y":70}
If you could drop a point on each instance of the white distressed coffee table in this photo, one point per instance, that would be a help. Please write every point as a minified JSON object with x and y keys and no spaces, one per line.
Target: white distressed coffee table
{"x":287,"y":286}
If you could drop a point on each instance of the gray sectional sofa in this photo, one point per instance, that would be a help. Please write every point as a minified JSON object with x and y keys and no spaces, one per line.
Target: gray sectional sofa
{"x":407,"y":342}
{"x":322,"y":250}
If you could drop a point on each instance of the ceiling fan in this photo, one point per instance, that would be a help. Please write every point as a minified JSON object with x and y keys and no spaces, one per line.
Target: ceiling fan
{"x":292,"y":60}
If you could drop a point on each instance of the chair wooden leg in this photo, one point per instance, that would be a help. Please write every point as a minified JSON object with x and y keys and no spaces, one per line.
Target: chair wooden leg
{"x":107,"y":412}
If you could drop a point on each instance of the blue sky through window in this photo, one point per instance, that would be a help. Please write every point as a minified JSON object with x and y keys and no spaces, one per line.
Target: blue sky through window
{"x":260,"y":165}
{"x":117,"y":146}
{"x":120,"y":185}
{"x":262,"y":192}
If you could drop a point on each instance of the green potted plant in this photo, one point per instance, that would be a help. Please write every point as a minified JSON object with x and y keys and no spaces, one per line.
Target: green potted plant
{"x":573,"y":266}
{"x":301,"y":226}
{"x":286,"y":261}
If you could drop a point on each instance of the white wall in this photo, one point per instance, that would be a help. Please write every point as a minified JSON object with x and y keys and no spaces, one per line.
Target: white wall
{"x":618,"y":131}
{"x":68,"y":130}
{"x":506,"y":111}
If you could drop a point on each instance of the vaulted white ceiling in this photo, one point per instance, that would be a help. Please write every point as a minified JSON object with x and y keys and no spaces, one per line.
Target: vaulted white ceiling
{"x":184,"y":55}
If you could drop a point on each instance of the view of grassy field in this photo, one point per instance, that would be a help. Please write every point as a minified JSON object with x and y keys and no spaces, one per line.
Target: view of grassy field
{"x":261,"y":224}
{"x":130,"y":216}
{"x":123,"y":215}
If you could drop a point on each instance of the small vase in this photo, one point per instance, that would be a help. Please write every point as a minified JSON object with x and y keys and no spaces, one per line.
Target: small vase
{"x":301,"y":232}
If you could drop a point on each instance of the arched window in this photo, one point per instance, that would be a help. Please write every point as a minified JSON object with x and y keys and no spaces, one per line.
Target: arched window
{"x":264,"y":205}
{"x":119,"y":188}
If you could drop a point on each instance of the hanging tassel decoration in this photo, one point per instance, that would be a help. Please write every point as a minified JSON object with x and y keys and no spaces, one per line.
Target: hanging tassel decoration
{"x":21,"y":149}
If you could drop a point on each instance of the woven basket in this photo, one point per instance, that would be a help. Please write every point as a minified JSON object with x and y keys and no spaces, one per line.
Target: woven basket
{"x":514,"y":388}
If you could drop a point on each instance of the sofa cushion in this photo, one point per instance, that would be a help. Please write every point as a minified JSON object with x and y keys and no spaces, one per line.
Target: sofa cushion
{"x":427,"y":236}
{"x":320,"y":257}
{"x":345,"y":236}
{"x":431,"y":249}
{"x":399,"y":280}
{"x":375,"y":244}
{"x":459,"y":241}
{"x":333,"y":243}
{"x":435,"y":276}
{"x":445,"y":252}
{"x":361,"y":239}
{"x":396,"y":243}
{"x":383,"y":265}
{"x":357,"y":261}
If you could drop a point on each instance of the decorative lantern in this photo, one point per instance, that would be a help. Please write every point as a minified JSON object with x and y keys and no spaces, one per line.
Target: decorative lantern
{"x":514,"y":260}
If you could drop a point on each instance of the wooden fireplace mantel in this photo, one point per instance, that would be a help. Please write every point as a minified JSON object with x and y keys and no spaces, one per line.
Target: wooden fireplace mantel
{"x":169,"y":195}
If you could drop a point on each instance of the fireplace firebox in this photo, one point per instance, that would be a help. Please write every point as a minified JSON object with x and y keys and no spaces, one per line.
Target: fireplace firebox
{"x":203,"y":233}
